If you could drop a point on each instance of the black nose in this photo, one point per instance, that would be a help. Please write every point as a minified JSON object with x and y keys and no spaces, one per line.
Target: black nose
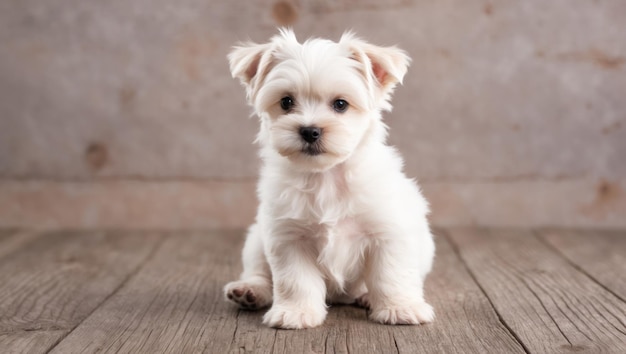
{"x":310,"y":134}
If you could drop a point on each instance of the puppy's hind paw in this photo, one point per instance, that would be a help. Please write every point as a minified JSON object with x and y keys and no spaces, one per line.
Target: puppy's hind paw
{"x":417,"y":313}
{"x":248,"y":296}
{"x":363,"y":301}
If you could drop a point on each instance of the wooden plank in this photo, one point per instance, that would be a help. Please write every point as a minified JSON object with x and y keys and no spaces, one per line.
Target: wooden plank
{"x":599,"y":254}
{"x":48,"y":286}
{"x":551,"y":307}
{"x":466,"y":322}
{"x":174,"y":304}
{"x":30,"y":341}
{"x":346,"y":330}
{"x":250,"y":336}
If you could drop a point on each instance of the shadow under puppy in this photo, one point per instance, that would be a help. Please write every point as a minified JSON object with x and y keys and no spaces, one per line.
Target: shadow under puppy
{"x":338,"y":221}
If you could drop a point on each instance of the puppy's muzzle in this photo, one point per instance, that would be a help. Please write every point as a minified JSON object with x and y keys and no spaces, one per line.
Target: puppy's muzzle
{"x":310,"y":134}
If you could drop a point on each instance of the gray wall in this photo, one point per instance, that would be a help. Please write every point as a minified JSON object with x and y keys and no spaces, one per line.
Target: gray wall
{"x":512,"y":113}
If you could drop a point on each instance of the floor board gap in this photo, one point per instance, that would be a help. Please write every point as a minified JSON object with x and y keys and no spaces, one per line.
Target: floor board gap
{"x":493,"y":307}
{"x":560,"y":254}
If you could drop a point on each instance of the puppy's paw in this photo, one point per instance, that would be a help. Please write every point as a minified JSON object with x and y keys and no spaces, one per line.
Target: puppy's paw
{"x":248,"y":295}
{"x":417,"y":313}
{"x":363,"y":301}
{"x":294,"y":317}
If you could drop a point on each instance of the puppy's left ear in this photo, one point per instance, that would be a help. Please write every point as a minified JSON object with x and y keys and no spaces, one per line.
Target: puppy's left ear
{"x":384,"y":67}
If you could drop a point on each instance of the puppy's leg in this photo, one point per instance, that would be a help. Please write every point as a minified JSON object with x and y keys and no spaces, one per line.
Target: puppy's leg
{"x":254,"y":289}
{"x":299,"y":288}
{"x":396,"y":270}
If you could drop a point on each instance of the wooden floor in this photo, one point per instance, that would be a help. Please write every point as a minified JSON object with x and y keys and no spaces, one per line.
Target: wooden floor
{"x":494,"y":291}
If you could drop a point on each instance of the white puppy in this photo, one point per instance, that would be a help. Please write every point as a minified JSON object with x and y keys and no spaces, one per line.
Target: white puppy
{"x":338,"y":220}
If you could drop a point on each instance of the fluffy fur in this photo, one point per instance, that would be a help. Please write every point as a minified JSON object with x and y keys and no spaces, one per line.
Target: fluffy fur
{"x":338,"y":221}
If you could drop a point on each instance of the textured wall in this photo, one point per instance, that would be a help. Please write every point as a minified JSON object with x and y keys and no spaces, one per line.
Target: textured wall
{"x":513,"y":112}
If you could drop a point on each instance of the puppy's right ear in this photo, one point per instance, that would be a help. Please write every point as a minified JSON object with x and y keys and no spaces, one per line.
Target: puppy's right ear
{"x":250,"y":62}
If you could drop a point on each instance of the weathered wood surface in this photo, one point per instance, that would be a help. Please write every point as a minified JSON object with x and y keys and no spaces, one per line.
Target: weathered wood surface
{"x":552,"y":307}
{"x":50,"y":284}
{"x":175,"y":301}
{"x":173,"y":304}
{"x":494,"y":291}
{"x":599,"y":254}
{"x":466,"y":322}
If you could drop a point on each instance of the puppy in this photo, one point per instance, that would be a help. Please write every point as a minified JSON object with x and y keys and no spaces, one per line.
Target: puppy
{"x":338,"y":221}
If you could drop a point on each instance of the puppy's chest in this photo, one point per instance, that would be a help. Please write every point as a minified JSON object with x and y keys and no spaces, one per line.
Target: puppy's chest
{"x":323,"y":198}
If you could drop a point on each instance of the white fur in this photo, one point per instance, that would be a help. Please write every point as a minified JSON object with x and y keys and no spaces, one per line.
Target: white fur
{"x":346,"y":224}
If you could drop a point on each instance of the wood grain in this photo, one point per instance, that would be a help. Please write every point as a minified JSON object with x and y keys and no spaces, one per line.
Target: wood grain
{"x":346,"y":330}
{"x":48,"y":286}
{"x":174,"y":304}
{"x":30,"y":341}
{"x":465,"y":323}
{"x":551,"y":307}
{"x":494,"y":291}
{"x":175,"y":301}
{"x":599,"y":254}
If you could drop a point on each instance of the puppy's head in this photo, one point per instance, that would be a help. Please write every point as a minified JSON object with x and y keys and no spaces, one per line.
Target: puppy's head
{"x":318,"y":101}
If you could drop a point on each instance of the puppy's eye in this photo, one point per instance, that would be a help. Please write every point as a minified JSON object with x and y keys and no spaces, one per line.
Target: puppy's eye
{"x":287,"y":103}
{"x":340,"y":105}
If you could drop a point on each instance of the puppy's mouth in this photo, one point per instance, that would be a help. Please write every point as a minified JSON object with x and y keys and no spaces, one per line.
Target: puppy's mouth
{"x":312,"y":149}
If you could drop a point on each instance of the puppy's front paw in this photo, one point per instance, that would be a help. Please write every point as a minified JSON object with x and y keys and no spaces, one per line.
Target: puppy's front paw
{"x":417,"y":313}
{"x":248,"y":295}
{"x":294,"y":317}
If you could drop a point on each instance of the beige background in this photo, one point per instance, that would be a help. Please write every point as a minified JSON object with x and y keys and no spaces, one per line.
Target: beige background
{"x":123,"y":113}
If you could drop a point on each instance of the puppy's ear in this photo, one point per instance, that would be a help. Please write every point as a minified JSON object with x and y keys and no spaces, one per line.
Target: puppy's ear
{"x":250,"y":62}
{"x":384,"y":67}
